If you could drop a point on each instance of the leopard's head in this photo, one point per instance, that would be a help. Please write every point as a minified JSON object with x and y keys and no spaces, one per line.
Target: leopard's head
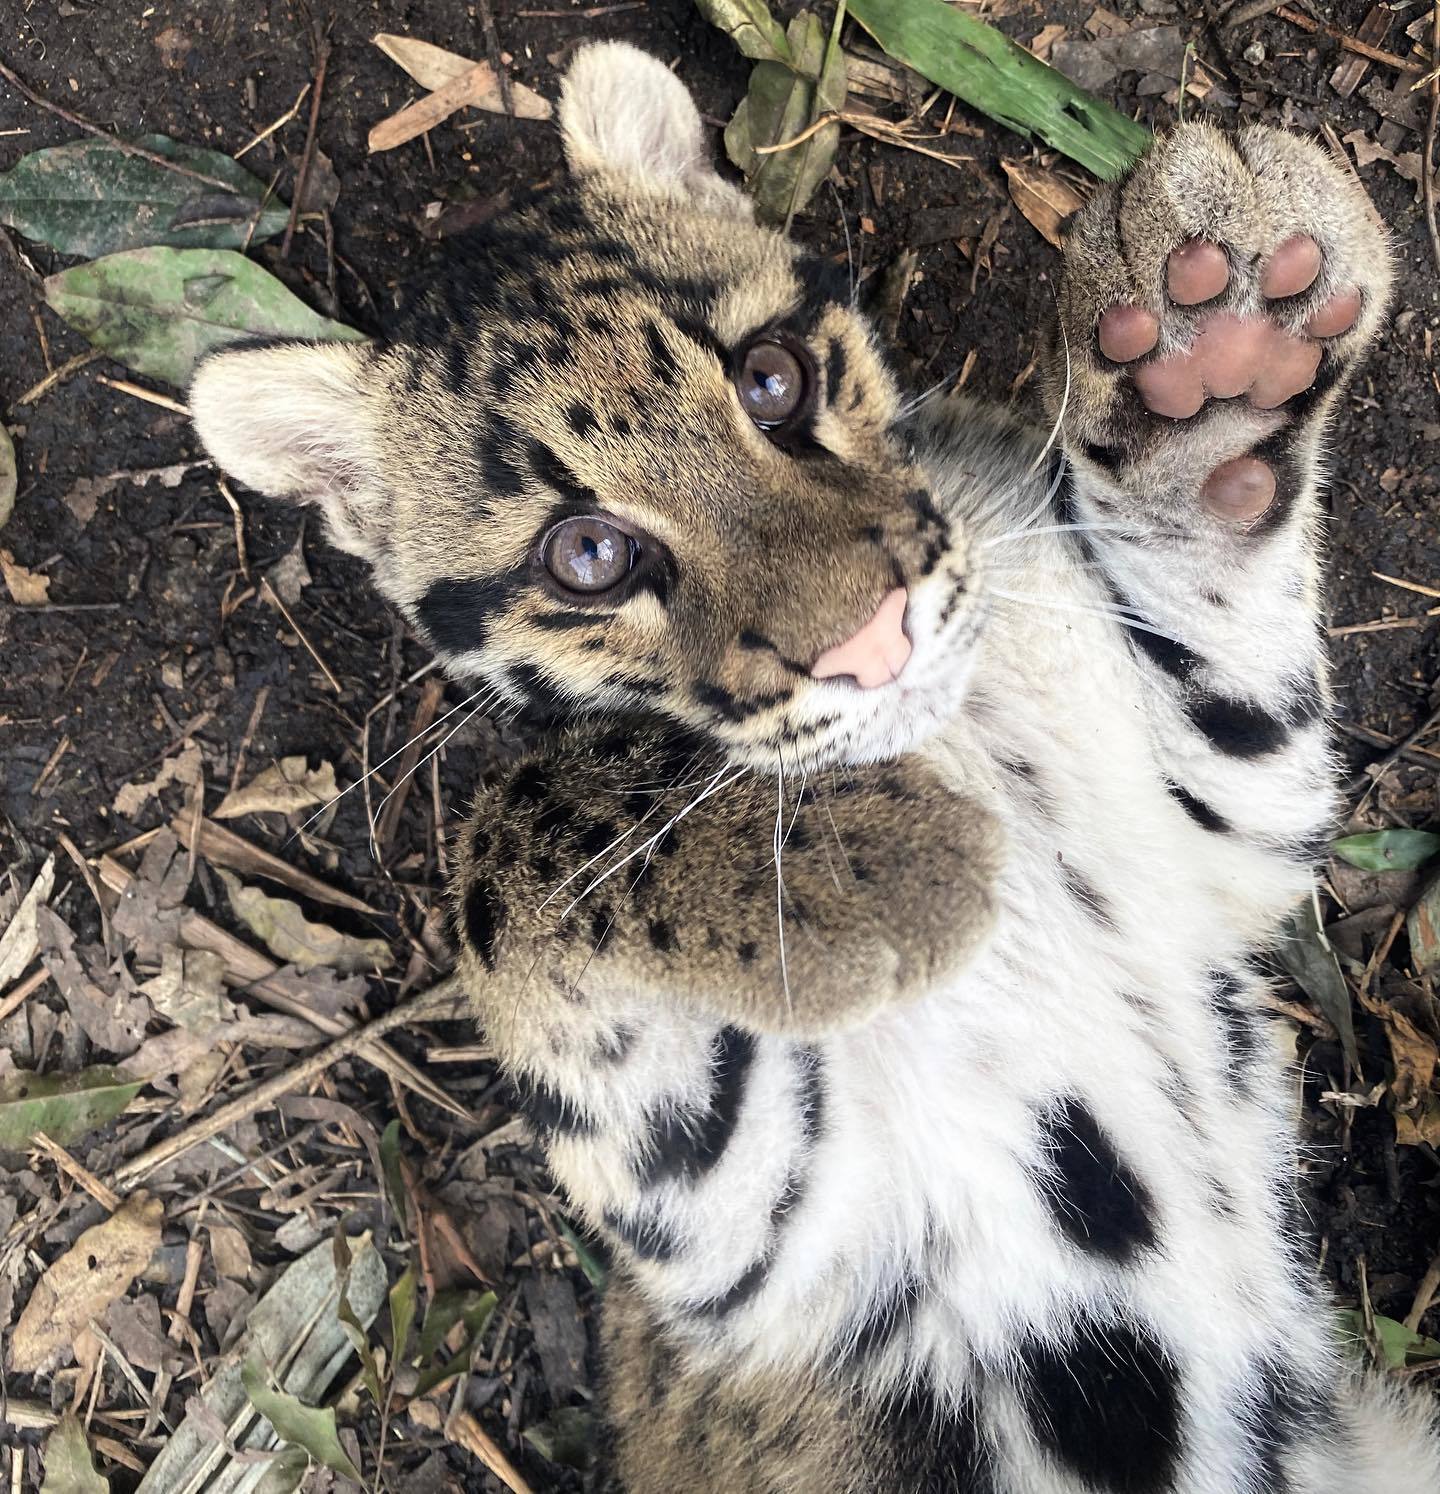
{"x":636,"y":453}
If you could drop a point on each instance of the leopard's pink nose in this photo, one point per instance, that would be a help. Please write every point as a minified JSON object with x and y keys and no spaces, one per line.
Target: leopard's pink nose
{"x":877,"y":653}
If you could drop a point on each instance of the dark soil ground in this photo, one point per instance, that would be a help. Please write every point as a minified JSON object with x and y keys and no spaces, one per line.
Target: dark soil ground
{"x":139,"y":649}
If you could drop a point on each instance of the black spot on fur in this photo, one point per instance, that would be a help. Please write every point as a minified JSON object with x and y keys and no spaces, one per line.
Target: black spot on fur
{"x":1177,"y":659}
{"x":1082,"y":890}
{"x":530,"y":784}
{"x":719,"y":699}
{"x":649,"y":1237}
{"x":494,"y":446}
{"x":924,"y":505}
{"x":1241,"y":1028}
{"x":602,"y":921}
{"x":547,"y":1110}
{"x":824,"y":283}
{"x":834,"y":371}
{"x":662,"y":935}
{"x":933,"y":1447}
{"x":686,"y":1143}
{"x":538,"y":688}
{"x":747,"y":951}
{"x":702,"y":336}
{"x":745,"y":1286}
{"x":555,"y":474}
{"x":457,"y":365}
{"x":886,"y":1318}
{"x":557,"y":622}
{"x":1106,"y":1405}
{"x":1198,"y":809}
{"x":582,"y":418}
{"x":596,"y":838}
{"x":1095,"y":1196}
{"x":1236,"y":728}
{"x":456,"y":614}
{"x":662,"y":360}
{"x":754,"y":642}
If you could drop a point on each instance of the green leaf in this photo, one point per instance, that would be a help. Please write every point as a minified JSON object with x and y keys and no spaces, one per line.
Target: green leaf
{"x":778,"y":107}
{"x":473,"y":1309}
{"x":68,"y":1466}
{"x":984,"y":67}
{"x":394,"y":1173}
{"x":7,"y":475}
{"x":566,"y":1437}
{"x":590,"y":1263}
{"x":459,"y":1304}
{"x":402,"y":1311}
{"x":1388,"y":850}
{"x":1306,"y":954}
{"x":1396,"y":1344}
{"x":749,"y":24}
{"x":310,"y":1427}
{"x":91,"y":198}
{"x":64,"y":1106}
{"x":160,"y":310}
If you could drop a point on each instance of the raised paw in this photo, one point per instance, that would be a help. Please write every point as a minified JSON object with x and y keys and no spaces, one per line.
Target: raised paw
{"x":1211,"y":301}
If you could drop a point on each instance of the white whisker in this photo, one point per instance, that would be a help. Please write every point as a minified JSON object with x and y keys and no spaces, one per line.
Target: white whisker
{"x":1124,"y":616}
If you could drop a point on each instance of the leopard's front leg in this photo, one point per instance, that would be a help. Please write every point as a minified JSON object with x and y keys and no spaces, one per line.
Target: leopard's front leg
{"x":1214,"y":305}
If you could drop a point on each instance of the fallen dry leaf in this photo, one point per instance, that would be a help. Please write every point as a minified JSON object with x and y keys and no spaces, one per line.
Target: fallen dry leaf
{"x":106,"y":1005}
{"x":1045,"y":199}
{"x":20,"y":942}
{"x":1046,"y":38}
{"x":97,"y":1270}
{"x":431,"y":67}
{"x":184,"y":767}
{"x":136,"y":1328}
{"x":290,"y":936}
{"x":286,"y":787}
{"x":289,"y":576}
{"x":26,"y":588}
{"x":84,"y":496}
{"x":69,"y":1468}
{"x":477,"y":88}
{"x":1407,"y":163}
{"x":231,"y":1251}
{"x":190,"y":989}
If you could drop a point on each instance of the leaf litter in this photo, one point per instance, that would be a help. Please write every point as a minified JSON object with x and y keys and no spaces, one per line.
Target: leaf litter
{"x":490,"y":1202}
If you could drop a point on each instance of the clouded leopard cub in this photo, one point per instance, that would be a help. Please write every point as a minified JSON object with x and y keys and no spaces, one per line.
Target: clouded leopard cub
{"x":871,"y":949}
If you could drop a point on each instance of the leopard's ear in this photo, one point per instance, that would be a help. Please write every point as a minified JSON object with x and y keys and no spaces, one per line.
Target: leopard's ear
{"x":625,"y":115}
{"x":295,"y":421}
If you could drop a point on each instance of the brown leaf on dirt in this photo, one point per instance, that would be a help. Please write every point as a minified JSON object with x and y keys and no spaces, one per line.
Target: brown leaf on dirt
{"x":1045,"y":199}
{"x":431,"y":67}
{"x":286,"y":787}
{"x":110,"y":1015}
{"x":1417,"y":1106}
{"x":289,"y":576}
{"x":184,"y":768}
{"x":149,"y":911}
{"x":231,"y":1251}
{"x":97,"y":1270}
{"x":1368,"y":151}
{"x":26,"y":588}
{"x":135,"y":1326}
{"x":1040,"y":44}
{"x":20,"y":942}
{"x":190,"y":989}
{"x":477,"y":88}
{"x":69,"y":1468}
{"x":286,"y":932}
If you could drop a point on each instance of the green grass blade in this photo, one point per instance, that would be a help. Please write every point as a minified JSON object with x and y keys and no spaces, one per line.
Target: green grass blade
{"x":993,"y":74}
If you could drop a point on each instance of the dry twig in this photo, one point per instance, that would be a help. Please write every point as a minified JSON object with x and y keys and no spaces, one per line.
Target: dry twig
{"x":321,"y":43}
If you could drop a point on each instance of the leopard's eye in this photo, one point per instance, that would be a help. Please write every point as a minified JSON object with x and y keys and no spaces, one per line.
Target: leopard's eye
{"x":773,"y":383}
{"x":588,"y":555}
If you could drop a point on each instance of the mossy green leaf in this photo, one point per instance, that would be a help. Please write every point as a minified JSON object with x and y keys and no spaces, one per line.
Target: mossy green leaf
{"x":92,"y":198}
{"x":69,"y":1468}
{"x":1388,"y":850}
{"x":64,"y":1106}
{"x":310,"y":1427}
{"x":161,"y":310}
{"x":1000,"y":78}
{"x":749,"y":24}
